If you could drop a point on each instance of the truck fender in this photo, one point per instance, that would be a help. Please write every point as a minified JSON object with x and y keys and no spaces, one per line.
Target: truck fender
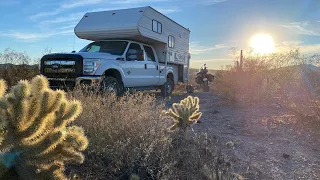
{"x":171,"y":74}
{"x":111,"y":67}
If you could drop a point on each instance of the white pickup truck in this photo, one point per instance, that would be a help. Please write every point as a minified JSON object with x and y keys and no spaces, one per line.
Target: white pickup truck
{"x":133,"y":48}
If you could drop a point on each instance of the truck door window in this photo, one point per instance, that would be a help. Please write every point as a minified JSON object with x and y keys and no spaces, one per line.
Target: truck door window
{"x":94,"y":48}
{"x":150,"y":54}
{"x":135,"y":53}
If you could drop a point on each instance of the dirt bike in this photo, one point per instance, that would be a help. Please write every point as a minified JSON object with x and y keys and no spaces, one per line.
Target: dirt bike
{"x":203,"y":78}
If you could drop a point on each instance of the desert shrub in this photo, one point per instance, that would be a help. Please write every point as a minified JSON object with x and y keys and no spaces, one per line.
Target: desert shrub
{"x":262,"y":78}
{"x":38,"y":139}
{"x":15,"y":66}
{"x":288,"y":80}
{"x":307,"y":104}
{"x":129,"y":137}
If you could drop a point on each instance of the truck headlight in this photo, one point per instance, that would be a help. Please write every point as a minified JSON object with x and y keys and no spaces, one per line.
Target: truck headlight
{"x":90,"y":66}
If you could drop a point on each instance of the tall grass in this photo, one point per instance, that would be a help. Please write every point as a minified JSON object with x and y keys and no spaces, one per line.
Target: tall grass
{"x":129,"y":136}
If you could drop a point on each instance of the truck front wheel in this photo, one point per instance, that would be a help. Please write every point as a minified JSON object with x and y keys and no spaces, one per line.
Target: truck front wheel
{"x":111,"y":85}
{"x":167,"y":88}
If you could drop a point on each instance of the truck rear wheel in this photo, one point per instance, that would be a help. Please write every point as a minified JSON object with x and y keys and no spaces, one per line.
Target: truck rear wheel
{"x":167,"y":88}
{"x":111,"y":85}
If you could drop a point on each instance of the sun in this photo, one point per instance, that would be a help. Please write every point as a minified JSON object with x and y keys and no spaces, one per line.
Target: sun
{"x":262,"y":44}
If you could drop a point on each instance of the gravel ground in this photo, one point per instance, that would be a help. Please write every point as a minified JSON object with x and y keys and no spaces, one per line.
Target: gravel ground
{"x":264,"y":142}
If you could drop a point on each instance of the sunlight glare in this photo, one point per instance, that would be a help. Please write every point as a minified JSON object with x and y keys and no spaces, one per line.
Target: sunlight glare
{"x":262,"y":44}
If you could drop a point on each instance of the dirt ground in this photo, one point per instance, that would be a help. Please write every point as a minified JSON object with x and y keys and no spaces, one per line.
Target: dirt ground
{"x":264,"y":142}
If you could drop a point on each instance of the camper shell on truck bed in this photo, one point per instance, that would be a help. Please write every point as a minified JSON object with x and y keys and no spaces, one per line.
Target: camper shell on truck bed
{"x":144,"y":24}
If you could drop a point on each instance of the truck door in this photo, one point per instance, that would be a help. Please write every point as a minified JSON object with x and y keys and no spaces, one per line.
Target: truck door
{"x":135,"y":66}
{"x":151,"y":67}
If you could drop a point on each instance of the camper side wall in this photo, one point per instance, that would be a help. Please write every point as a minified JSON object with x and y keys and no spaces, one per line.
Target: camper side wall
{"x":176,"y":38}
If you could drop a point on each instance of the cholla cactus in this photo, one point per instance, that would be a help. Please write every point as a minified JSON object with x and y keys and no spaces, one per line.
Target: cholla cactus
{"x":37,"y":123}
{"x":185,"y":114}
{"x":3,"y":88}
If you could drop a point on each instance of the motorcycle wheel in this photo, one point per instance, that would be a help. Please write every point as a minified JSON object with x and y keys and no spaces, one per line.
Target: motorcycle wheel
{"x":205,"y":86}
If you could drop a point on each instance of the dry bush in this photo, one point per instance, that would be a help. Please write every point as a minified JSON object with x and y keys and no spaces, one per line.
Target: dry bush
{"x":307,"y":105}
{"x":129,"y":136}
{"x":261,"y":79}
{"x":290,"y":80}
{"x":15,"y":66}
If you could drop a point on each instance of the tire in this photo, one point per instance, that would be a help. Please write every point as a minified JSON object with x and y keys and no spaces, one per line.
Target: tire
{"x":111,"y":85}
{"x":167,"y":88}
{"x":205,"y":86}
{"x":190,"y":89}
{"x":199,"y":80}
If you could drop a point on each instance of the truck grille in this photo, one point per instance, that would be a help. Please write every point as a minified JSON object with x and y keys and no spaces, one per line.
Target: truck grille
{"x":62,"y":65}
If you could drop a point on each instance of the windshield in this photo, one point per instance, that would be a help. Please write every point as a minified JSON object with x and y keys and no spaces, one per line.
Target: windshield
{"x":111,"y":47}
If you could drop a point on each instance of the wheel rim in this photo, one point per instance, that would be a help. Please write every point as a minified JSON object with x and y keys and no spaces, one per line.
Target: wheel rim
{"x":111,"y":88}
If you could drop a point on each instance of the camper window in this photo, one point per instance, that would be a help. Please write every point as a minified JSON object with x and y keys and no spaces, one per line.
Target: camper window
{"x":159,"y":28}
{"x":156,"y":26}
{"x":150,"y":54}
{"x":171,"y":41}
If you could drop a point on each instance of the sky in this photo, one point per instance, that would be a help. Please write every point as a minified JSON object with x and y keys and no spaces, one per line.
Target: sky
{"x":216,"y":25}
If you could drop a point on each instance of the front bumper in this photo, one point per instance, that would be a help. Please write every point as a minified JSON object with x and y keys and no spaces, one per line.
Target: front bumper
{"x":70,"y":83}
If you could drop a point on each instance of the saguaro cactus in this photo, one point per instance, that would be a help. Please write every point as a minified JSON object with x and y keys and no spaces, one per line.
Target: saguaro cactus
{"x":185,"y":113}
{"x":37,"y":123}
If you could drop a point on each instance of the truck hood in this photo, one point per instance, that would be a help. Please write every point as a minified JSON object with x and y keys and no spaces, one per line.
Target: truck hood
{"x":97,"y":55}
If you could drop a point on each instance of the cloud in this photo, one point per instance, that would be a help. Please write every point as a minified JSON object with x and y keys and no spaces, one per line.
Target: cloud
{"x":167,"y":10}
{"x":136,"y":1}
{"x":310,"y":28}
{"x":310,"y":49}
{"x":34,"y":36}
{"x":195,"y":48}
{"x":74,"y":17}
{"x":71,"y":26}
{"x":123,"y":3}
{"x":45,"y":14}
{"x":210,"y":2}
{"x":303,"y":48}
{"x":66,"y":6}
{"x":214,"y":63}
{"x":79,"y":3}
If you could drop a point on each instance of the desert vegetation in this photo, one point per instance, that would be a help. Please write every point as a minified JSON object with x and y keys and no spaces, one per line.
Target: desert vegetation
{"x":36,"y":131}
{"x":132,"y":137}
{"x":286,"y":79}
{"x":142,"y":136}
{"x":15,"y":66}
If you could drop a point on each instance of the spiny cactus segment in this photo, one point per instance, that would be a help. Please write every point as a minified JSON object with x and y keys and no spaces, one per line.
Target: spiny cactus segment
{"x":3,"y":89}
{"x":37,"y":125}
{"x":185,"y":113}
